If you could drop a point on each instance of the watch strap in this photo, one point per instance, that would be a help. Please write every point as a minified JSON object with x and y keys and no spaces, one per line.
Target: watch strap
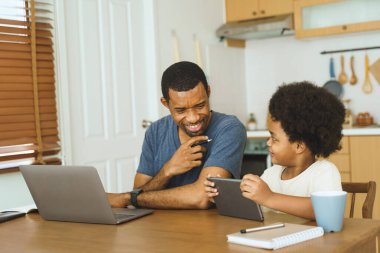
{"x":134,"y":195}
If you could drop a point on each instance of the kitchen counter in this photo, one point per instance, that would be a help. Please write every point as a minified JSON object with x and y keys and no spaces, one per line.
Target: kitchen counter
{"x":370,"y":130}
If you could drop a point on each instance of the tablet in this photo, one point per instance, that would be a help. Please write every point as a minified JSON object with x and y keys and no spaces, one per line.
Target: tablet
{"x":230,"y":201}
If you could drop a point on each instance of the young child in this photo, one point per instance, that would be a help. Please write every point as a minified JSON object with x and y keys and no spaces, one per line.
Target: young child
{"x":305,"y":124}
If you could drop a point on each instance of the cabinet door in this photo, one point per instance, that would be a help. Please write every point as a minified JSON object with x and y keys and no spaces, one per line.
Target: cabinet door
{"x":328,"y":17}
{"x":365,"y":166}
{"x":341,"y":159}
{"x":275,"y":7}
{"x":342,"y":162}
{"x":237,"y":10}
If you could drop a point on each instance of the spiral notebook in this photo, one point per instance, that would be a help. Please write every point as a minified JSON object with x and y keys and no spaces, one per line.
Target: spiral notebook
{"x":277,"y":238}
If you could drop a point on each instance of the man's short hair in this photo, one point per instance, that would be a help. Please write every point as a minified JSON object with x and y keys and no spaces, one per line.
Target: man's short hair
{"x":182,"y":76}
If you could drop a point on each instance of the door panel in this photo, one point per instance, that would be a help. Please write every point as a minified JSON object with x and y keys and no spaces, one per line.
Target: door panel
{"x":105,"y":58}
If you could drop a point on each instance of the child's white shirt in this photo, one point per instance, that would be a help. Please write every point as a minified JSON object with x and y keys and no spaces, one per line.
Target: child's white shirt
{"x":320,"y":176}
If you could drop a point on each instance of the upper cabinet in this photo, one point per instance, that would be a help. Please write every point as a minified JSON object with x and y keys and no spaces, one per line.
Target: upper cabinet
{"x":239,"y":10}
{"x":328,"y":17}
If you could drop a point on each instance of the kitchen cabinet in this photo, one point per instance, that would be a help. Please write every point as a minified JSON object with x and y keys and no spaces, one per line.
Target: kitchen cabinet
{"x":236,"y":43}
{"x":359,"y":161}
{"x":314,"y":18}
{"x":342,"y":160}
{"x":365,"y":166}
{"x":239,"y":10}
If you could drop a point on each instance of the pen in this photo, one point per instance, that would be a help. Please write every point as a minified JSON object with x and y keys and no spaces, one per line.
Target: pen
{"x":275,"y":225}
{"x":201,"y":142}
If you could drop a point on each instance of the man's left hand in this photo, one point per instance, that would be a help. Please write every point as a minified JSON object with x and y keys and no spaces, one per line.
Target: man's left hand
{"x":119,"y":199}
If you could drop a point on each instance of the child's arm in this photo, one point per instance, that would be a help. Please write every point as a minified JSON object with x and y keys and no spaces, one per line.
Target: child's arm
{"x":254,"y":188}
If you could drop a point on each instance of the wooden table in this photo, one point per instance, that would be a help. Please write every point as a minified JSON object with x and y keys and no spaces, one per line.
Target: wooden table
{"x":171,"y":231}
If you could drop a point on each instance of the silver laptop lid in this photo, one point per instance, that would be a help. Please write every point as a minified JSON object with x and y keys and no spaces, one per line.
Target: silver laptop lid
{"x":69,"y":193}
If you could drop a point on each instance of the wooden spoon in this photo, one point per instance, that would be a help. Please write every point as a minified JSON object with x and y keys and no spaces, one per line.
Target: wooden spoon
{"x":367,"y":86}
{"x":353,"y":79}
{"x":342,"y":76}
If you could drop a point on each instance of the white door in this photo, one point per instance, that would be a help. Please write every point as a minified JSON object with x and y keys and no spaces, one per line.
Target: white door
{"x":107,"y":76}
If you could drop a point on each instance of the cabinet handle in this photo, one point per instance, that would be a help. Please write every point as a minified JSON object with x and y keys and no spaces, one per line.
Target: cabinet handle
{"x":254,"y":13}
{"x":344,"y":27}
{"x":263,"y":12}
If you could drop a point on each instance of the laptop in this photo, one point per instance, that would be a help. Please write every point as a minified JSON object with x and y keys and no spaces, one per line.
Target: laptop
{"x":230,"y":201}
{"x":75,"y":194}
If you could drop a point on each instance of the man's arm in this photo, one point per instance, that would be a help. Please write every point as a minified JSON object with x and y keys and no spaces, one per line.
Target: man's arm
{"x":191,"y":196}
{"x":187,"y":156}
{"x":141,"y":181}
{"x":158,"y":182}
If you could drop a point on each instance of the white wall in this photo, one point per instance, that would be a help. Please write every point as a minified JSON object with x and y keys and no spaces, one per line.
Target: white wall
{"x":224,"y":67}
{"x":13,"y":191}
{"x":270,"y":62}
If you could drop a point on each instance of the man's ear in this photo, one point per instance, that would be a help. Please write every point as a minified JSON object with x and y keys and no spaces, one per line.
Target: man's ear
{"x":208,"y":91}
{"x":164,"y":102}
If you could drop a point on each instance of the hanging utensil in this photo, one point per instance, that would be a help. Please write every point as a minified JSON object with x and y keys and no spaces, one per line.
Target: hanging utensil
{"x":353,"y":79}
{"x":375,"y":70}
{"x":367,"y":86}
{"x":333,"y":85}
{"x":342,"y":76}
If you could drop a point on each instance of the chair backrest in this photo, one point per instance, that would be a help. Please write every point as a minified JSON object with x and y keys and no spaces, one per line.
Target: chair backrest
{"x":368,"y":188}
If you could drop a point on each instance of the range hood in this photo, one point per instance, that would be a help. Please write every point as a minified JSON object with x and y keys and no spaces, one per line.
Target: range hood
{"x":257,"y":29}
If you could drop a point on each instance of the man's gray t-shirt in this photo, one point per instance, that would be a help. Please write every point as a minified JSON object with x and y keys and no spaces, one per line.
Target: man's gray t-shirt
{"x":225,"y":150}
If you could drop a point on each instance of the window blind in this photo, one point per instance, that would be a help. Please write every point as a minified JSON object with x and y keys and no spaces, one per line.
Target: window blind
{"x":28,"y":114}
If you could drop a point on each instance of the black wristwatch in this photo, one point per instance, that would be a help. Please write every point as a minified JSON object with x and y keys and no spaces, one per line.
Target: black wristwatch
{"x":134,"y":195}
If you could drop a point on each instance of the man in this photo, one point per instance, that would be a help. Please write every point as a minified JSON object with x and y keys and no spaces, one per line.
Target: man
{"x":173,"y":165}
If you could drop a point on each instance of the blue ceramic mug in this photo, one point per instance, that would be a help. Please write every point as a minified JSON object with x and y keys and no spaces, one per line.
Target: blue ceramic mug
{"x":329,"y":209}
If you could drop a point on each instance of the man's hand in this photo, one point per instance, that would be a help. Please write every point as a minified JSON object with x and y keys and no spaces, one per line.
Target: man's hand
{"x":187,"y":156}
{"x":210,"y":189}
{"x":254,"y":188}
{"x":119,"y":199}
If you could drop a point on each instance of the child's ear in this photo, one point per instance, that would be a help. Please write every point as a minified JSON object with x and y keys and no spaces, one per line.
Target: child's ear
{"x":301,"y":147}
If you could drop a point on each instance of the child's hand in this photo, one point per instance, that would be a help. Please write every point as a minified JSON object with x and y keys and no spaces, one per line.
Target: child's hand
{"x":209,"y":188}
{"x":254,"y":188}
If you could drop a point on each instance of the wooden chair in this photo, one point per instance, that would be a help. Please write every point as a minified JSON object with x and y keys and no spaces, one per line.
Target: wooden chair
{"x":369,"y":188}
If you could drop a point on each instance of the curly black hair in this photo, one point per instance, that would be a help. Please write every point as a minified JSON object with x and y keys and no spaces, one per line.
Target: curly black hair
{"x":182,"y":76}
{"x":309,"y":114}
